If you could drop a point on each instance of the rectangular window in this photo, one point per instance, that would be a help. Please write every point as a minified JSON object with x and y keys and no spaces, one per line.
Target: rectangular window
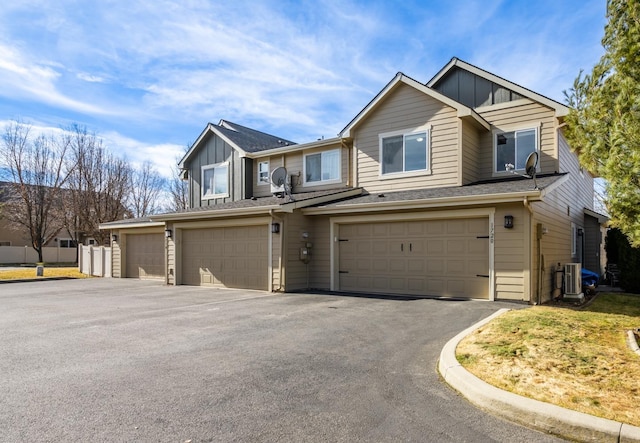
{"x":215,"y":181}
{"x":514,"y":147}
{"x":67,"y":243}
{"x":322,"y":167}
{"x":405,"y":152}
{"x":263,"y":173}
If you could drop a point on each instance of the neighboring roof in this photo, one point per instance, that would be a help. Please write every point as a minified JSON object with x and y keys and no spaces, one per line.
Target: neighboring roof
{"x":561,"y":110}
{"x":243,"y":139}
{"x":260,"y":205}
{"x":400,"y":78}
{"x":495,"y":191}
{"x":601,"y":218}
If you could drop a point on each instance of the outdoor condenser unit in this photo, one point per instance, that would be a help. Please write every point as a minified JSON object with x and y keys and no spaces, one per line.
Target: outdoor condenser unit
{"x":573,"y":281}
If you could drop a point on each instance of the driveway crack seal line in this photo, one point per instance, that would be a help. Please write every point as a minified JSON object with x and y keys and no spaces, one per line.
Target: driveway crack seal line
{"x":526,"y":411}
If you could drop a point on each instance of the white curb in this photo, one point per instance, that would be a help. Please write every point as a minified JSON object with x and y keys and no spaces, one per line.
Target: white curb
{"x":528,"y":412}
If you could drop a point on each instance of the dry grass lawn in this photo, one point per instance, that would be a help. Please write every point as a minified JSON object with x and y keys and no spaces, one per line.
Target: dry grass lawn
{"x":30,"y":273}
{"x":577,"y":359}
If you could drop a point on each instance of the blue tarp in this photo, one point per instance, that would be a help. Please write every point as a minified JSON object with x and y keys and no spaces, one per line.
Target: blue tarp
{"x":589,"y":278}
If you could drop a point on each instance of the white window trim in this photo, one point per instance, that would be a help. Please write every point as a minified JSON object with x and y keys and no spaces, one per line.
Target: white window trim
{"x":502,"y":130}
{"x":404,"y":133}
{"x":321,"y":182}
{"x":212,"y":196}
{"x":262,"y":183}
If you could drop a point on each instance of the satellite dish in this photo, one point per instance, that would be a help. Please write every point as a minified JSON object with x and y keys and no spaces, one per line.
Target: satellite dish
{"x":531,"y":164}
{"x":530,"y":168}
{"x":279,"y":183}
{"x":279,"y":176}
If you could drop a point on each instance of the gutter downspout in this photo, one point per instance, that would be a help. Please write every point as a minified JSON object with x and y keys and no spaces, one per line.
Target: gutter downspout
{"x":280,"y":264}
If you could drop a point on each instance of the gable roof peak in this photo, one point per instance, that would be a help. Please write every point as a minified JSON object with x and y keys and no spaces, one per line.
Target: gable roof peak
{"x":561,"y":110}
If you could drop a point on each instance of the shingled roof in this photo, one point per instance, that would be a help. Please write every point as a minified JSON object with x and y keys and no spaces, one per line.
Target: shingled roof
{"x":251,"y":140}
{"x":495,"y":190}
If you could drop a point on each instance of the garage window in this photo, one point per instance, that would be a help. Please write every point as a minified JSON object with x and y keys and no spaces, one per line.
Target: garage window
{"x":404,"y":152}
{"x":215,"y":180}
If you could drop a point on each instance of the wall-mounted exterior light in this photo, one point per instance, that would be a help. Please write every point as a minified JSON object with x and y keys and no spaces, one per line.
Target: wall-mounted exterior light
{"x":275,"y":228}
{"x":508,"y":221}
{"x":114,"y":237}
{"x":167,"y":233}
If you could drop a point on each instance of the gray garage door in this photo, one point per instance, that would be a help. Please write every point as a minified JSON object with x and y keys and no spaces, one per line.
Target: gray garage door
{"x":435,"y":257}
{"x":232,"y":257}
{"x":145,"y":256}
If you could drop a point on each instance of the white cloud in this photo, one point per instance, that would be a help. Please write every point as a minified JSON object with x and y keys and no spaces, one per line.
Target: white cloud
{"x":140,"y":67}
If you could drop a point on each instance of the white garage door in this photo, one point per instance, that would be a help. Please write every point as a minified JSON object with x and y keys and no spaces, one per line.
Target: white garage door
{"x":434,"y":257}
{"x":233,"y":257}
{"x":145,"y":256}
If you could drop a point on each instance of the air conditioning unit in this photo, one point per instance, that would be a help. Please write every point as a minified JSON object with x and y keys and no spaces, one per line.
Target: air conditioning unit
{"x":573,"y":281}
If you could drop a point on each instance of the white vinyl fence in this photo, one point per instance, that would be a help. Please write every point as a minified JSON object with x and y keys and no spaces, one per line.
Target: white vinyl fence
{"x":94,"y":260}
{"x":26,"y":254}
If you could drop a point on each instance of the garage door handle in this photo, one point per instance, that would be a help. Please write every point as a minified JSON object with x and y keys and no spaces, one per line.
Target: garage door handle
{"x":343,"y":272}
{"x":482,"y":275}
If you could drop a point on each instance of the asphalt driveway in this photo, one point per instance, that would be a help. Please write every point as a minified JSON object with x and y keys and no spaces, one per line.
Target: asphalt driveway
{"x":129,"y":360}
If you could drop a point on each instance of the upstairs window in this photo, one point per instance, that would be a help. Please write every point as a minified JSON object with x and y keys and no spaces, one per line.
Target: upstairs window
{"x":322,"y":167}
{"x":215,"y":181}
{"x":404,"y":152}
{"x":514,"y":147}
{"x":263,"y":173}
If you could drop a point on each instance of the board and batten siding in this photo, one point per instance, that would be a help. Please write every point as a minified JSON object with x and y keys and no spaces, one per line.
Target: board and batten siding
{"x":406,"y":109}
{"x":214,"y":151}
{"x":521,"y":114}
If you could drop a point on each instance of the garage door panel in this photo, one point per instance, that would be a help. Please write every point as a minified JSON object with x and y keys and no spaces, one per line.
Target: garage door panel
{"x":435,"y":247}
{"x":433,"y":257}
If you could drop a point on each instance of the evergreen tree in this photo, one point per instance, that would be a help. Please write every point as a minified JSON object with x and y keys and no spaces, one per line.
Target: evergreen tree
{"x":603,"y":125}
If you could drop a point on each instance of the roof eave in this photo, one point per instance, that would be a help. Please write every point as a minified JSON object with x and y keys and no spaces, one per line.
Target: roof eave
{"x":125,"y":225}
{"x":214,"y":213}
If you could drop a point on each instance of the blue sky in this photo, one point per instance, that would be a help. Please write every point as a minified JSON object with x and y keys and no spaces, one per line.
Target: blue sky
{"x":148,"y":75}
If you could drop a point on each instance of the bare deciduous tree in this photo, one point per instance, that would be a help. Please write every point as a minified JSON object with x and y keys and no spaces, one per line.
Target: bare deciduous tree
{"x":146,"y":189}
{"x":100,"y":184}
{"x":178,"y":190}
{"x":36,"y":169}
